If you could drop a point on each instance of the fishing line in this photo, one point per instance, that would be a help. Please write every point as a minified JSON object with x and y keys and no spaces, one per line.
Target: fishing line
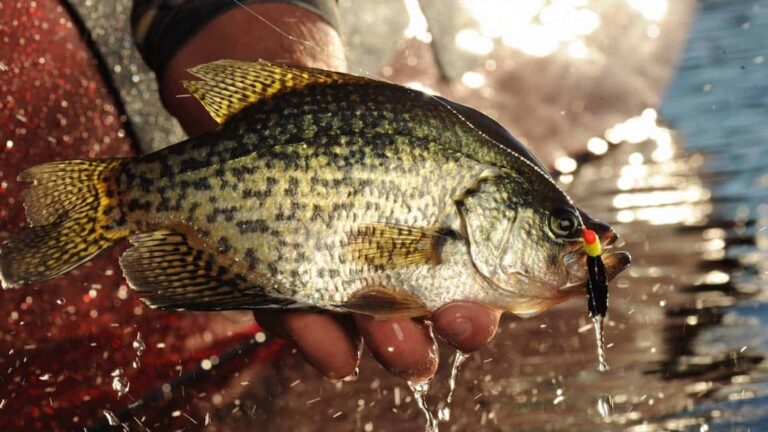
{"x":599,"y":269}
{"x":379,"y":78}
{"x":305,"y":42}
{"x":597,"y":287}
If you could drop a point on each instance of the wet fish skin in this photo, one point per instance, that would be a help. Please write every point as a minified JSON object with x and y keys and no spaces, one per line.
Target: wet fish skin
{"x":278,"y":189}
{"x":267,"y":210}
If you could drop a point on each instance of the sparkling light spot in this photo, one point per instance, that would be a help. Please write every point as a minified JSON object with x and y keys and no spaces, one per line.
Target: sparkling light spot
{"x":565,"y":164}
{"x":473,"y":79}
{"x":417,"y":22}
{"x":597,"y":145}
{"x":421,"y":87}
{"x":578,"y":49}
{"x":473,"y":41}
{"x":652,"y":10}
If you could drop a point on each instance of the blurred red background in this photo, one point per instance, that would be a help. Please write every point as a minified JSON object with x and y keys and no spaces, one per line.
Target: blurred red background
{"x":62,"y":341}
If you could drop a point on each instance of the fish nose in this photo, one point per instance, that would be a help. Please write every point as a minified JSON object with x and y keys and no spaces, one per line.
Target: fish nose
{"x":607,"y":235}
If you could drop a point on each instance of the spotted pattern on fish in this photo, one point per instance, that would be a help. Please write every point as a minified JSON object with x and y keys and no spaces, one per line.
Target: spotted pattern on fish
{"x":319,"y":190}
{"x":283,"y":191}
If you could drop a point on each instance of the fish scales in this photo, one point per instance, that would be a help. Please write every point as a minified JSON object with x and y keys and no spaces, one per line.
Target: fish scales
{"x":281,"y":193}
{"x":322,"y":190}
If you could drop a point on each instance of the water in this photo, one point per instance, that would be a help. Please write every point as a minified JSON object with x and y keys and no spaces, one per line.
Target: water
{"x":602,"y":363}
{"x":353,"y":376}
{"x":420,"y":391}
{"x":605,"y":406}
{"x":112,"y":418}
{"x":138,"y":346}
{"x":120,"y":383}
{"x":458,"y":360}
{"x":444,"y":413}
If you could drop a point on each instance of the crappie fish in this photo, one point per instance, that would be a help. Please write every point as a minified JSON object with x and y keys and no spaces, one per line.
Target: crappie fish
{"x":319,"y":190}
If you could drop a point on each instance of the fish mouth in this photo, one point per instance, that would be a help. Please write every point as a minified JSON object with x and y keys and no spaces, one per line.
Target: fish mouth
{"x":605,"y":232}
{"x":576,"y":263}
{"x":615,"y":261}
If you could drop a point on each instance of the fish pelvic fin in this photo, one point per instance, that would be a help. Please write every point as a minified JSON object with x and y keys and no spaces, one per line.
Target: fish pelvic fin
{"x":228,"y":86}
{"x":71,"y":208}
{"x":385,"y":304}
{"x":170,"y":271}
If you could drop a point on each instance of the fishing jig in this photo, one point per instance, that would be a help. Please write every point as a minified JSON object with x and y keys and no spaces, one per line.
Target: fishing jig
{"x":597,"y":285}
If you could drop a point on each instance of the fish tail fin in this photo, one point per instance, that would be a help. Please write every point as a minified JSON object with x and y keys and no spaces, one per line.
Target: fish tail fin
{"x":72,"y":211}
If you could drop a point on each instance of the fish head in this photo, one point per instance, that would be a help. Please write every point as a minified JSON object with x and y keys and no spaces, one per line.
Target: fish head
{"x":526,"y":244}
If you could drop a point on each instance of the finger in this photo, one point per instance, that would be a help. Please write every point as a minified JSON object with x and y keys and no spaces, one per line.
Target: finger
{"x":330,"y":343}
{"x":271,"y":322}
{"x":403,"y":346}
{"x":466,"y":326}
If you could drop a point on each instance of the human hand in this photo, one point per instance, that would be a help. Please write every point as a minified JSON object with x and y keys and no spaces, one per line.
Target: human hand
{"x":330,"y":342}
{"x":406,"y":347}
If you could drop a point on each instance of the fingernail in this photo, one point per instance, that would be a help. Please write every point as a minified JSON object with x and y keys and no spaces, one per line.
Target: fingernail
{"x":459,"y":329}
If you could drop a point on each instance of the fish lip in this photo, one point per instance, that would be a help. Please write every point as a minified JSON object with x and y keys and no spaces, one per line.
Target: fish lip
{"x":607,"y":235}
{"x":616,"y":261}
{"x":610,"y":238}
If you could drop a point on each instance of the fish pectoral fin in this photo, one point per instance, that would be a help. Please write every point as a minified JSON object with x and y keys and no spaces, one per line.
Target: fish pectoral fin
{"x":385,"y":303}
{"x":227,"y":86}
{"x":388,"y":246}
{"x":169,"y":273}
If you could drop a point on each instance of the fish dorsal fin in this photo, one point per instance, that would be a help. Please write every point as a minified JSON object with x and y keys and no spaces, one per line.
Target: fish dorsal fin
{"x":170,"y":273}
{"x":385,"y":303}
{"x":388,"y":246}
{"x":227,"y":86}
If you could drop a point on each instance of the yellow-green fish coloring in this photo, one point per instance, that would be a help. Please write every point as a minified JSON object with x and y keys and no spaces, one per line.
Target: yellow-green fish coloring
{"x":319,"y":190}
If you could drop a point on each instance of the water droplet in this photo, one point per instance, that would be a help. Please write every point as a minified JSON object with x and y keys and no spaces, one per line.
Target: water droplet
{"x":420,"y":391}
{"x":444,"y":414}
{"x":139,"y":346}
{"x":111,"y":418}
{"x":61,"y":301}
{"x":457,"y":362}
{"x":605,"y":405}
{"x":353,"y":376}
{"x":120,"y":383}
{"x":602,"y":363}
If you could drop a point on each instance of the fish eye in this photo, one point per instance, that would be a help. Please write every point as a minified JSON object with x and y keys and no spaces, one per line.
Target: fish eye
{"x":564,"y":223}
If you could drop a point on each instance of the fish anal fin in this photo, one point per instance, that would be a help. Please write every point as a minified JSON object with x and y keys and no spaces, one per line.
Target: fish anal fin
{"x":385,"y":303}
{"x":388,"y":246}
{"x":170,"y":272}
{"x":228,"y":86}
